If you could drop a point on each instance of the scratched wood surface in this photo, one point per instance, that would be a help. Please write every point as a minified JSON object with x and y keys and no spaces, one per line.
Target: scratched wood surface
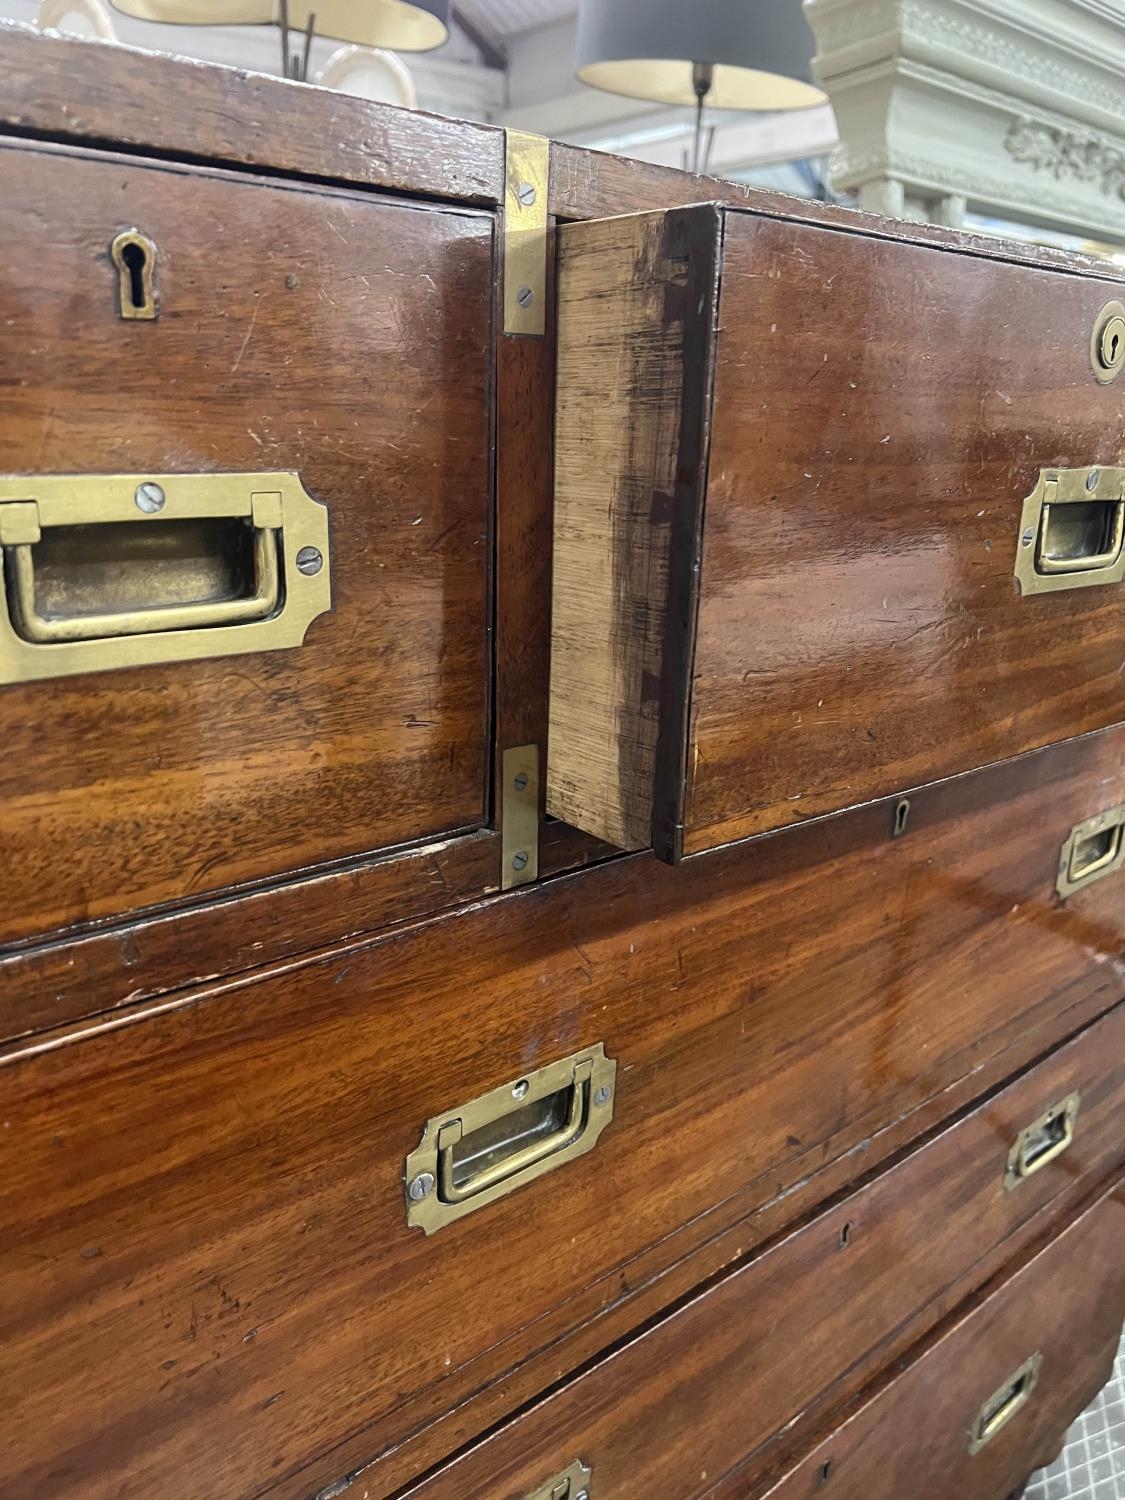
{"x":880,"y":412}
{"x":859,"y":423}
{"x":338,"y":335}
{"x":745,"y":1372}
{"x":218,"y":1183}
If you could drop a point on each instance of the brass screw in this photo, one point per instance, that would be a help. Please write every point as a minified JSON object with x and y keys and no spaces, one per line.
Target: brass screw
{"x":150,"y":498}
{"x":602,"y":1095}
{"x":1028,"y":536}
{"x":525,"y":296}
{"x":526,"y":194}
{"x":309,"y":561}
{"x":421,"y":1187}
{"x":519,"y":862}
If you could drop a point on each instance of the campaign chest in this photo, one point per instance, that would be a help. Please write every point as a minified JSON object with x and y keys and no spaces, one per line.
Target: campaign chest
{"x":563,"y":817}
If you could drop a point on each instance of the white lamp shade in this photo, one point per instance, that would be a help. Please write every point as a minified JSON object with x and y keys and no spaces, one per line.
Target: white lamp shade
{"x":760,"y":51}
{"x":406,"y":25}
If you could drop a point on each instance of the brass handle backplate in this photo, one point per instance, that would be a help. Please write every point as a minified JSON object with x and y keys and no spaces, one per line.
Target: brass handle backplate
{"x":1091,"y":850}
{"x":1004,"y":1403}
{"x":1042,"y":1141}
{"x":572,"y":1484}
{"x":109,"y":571}
{"x":1072,"y":530}
{"x":477,"y":1152}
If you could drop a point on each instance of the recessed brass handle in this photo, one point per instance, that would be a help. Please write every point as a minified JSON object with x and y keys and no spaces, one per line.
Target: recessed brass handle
{"x":1091,"y":850}
{"x":572,"y":1484}
{"x":1072,"y":530}
{"x":108,"y":571}
{"x":471,"y":1155}
{"x":1004,"y":1403}
{"x":255,"y":606}
{"x":505,"y":1164}
{"x":1042,"y":1142}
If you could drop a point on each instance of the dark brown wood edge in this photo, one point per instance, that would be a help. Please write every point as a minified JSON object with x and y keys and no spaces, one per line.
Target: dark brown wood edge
{"x":694,"y":235}
{"x":1046,"y":1228}
{"x":597,"y":184}
{"x":457,"y":1414}
{"x":74,"y":89}
{"x":124,"y":968}
{"x":94,"y":93}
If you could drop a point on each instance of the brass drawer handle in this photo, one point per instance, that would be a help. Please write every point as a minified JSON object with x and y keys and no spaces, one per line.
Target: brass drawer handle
{"x":32,"y":626}
{"x":1004,"y":1403}
{"x":1092,"y":849}
{"x":472,"y":1155}
{"x":1039,"y":1143}
{"x":110,"y":571}
{"x":1072,"y":530}
{"x":572,"y":1484}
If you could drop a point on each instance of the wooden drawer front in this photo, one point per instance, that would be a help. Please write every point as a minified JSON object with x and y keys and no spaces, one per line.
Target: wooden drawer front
{"x":805,"y":1323}
{"x":788,"y":518}
{"x":334,"y":334}
{"x":952,"y":1424}
{"x":207,"y":1205}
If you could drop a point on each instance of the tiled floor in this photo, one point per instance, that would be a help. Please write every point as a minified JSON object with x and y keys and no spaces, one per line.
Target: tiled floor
{"x":1092,"y":1465}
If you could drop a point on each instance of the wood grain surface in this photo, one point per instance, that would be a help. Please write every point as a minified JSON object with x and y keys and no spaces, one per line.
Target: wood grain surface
{"x":880,"y":413}
{"x":1065,"y":1303}
{"x":621,"y":370}
{"x":338,"y":335}
{"x":218,"y":1182}
{"x":743,"y":1372}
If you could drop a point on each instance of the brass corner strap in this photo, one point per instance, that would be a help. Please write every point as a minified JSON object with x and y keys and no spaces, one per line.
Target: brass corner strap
{"x":519,"y":829}
{"x":527,"y":161}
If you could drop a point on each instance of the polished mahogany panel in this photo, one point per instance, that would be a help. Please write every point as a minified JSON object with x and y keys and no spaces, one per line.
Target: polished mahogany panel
{"x":745,"y":1370}
{"x":880,"y":412}
{"x":205,"y":1201}
{"x":337,"y":334}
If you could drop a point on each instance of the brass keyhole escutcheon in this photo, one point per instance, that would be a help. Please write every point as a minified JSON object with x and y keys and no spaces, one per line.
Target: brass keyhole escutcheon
{"x":1107,"y":343}
{"x":134,"y":255}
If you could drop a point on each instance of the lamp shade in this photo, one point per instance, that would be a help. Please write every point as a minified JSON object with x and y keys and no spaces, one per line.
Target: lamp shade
{"x":760,"y":51}
{"x":404,"y":25}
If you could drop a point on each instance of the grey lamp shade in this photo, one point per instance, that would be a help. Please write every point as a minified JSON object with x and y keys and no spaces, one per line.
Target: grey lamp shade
{"x":404,"y":25}
{"x":761,"y":51}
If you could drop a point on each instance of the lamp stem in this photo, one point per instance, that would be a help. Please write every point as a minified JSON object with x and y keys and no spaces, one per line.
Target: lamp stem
{"x":702,"y":77}
{"x":283,"y":22}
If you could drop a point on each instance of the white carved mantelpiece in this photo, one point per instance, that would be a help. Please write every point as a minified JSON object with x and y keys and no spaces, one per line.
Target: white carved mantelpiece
{"x":1014,"y":108}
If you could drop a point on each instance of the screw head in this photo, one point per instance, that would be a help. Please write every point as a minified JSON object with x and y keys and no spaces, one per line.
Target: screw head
{"x":1092,"y":479}
{"x":520,"y":1091}
{"x":526,"y":194}
{"x":601,"y":1096}
{"x":150,"y":498}
{"x":1028,"y":536}
{"x":421,"y":1187}
{"x":582,"y":1495}
{"x":525,"y":296}
{"x":520,"y":782}
{"x":519,"y":861}
{"x":309,"y":561}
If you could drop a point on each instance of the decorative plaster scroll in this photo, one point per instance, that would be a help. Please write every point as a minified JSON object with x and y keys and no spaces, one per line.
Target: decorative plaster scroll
{"x":1067,"y":153}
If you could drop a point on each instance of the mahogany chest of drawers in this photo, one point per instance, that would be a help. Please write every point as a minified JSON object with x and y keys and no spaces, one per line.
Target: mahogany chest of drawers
{"x":563,"y":806}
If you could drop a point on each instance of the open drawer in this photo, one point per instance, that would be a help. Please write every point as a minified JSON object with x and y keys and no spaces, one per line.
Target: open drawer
{"x":836,"y":515}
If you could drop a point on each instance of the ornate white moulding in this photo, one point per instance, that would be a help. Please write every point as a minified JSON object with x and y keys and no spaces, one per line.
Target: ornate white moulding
{"x":1012,"y":108}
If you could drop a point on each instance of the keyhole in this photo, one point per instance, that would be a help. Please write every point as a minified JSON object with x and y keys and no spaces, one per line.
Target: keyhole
{"x":134,"y":255}
{"x":136,"y":258}
{"x":902,"y":814}
{"x":1114,"y":343}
